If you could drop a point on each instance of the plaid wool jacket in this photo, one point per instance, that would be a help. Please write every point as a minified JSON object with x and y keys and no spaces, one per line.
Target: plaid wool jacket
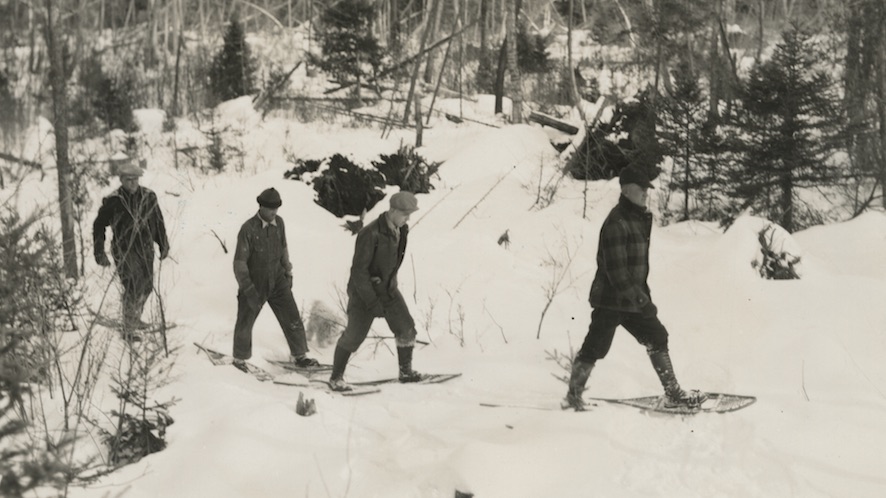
{"x":623,"y":259}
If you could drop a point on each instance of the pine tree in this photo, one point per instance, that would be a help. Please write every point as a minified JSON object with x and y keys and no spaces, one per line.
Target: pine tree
{"x":350,"y":50}
{"x":681,"y":132}
{"x":232,"y":72}
{"x":789,"y":129}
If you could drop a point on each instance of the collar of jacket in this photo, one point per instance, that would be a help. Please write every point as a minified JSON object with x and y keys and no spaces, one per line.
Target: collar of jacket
{"x":384,"y":225}
{"x":122,"y":192}
{"x":632,"y":208}
{"x":264,"y":224}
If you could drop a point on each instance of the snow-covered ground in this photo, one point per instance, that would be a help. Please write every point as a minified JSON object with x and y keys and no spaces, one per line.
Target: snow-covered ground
{"x":811,"y":350}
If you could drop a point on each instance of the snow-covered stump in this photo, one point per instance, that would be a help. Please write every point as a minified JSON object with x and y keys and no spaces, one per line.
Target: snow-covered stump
{"x":305,"y":406}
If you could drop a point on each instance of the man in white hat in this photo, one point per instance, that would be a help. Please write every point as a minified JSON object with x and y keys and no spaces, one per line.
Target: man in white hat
{"x":137,"y":224}
{"x":373,"y":292}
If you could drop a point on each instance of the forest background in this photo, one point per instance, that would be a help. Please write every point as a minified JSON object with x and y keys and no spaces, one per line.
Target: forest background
{"x":737,"y":104}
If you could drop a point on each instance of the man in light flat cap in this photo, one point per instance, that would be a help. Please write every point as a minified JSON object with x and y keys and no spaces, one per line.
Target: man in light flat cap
{"x":620,"y":295}
{"x":137,"y":224}
{"x":264,"y":275}
{"x":373,"y":292}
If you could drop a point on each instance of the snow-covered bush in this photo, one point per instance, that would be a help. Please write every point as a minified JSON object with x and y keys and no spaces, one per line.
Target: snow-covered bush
{"x":343,"y":188}
{"x":34,"y":300}
{"x":323,"y":326}
{"x":775,"y":263}
{"x":140,"y":423}
{"x":407,"y":170}
{"x":627,"y":138}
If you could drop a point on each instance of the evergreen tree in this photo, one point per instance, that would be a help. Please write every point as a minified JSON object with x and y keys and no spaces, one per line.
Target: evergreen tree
{"x":681,"y":131}
{"x":232,"y":72}
{"x":789,"y":129}
{"x":349,"y":47}
{"x":532,"y":50}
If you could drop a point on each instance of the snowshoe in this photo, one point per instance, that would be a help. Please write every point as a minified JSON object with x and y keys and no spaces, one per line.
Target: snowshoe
{"x":410,"y":376}
{"x":571,"y":401}
{"x":686,"y":399}
{"x":339,"y":385}
{"x":304,"y":362}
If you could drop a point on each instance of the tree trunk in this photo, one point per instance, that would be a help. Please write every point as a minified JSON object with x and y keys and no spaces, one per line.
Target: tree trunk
{"x":60,"y":122}
{"x":573,"y":87}
{"x":424,"y":42}
{"x":787,"y":201}
{"x":516,"y":81}
{"x":500,"y":76}
{"x":881,"y":100}
{"x":761,"y":7}
{"x":437,"y":13}
{"x":715,"y":80}
{"x":394,"y":28}
{"x":484,"y":22}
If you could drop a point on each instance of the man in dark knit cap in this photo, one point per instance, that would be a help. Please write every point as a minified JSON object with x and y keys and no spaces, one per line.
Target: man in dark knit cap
{"x":264,"y":274}
{"x":621,"y":296}
{"x":373,"y":292}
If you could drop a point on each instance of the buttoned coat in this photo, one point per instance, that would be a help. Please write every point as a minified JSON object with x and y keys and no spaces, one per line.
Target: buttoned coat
{"x":623,"y":259}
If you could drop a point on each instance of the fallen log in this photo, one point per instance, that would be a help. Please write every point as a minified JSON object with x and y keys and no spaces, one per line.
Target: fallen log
{"x":548,"y":120}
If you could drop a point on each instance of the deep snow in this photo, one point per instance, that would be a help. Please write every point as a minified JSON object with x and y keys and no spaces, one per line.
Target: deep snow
{"x":811,"y":350}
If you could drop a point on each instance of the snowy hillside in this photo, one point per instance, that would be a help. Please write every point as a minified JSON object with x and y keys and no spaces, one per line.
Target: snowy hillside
{"x":811,"y":350}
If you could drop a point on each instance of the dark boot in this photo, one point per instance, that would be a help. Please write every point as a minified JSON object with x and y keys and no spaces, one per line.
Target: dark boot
{"x":407,"y":374}
{"x":674,"y":395}
{"x":581,"y":370}
{"x":339,"y":362}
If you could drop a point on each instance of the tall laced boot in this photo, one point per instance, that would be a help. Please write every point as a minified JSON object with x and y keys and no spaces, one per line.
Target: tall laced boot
{"x":675,"y":396}
{"x":581,"y":370}
{"x":407,"y":374}
{"x":339,"y":362}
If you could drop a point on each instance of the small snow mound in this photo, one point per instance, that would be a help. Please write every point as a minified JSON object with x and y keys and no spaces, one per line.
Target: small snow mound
{"x":766,"y":246}
{"x":239,"y":111}
{"x":150,"y":121}
{"x":39,"y":142}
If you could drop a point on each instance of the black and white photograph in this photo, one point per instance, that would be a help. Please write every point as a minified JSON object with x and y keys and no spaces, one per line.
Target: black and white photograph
{"x":442,"y":248}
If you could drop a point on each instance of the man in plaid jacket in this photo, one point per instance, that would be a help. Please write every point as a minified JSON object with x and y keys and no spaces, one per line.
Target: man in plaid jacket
{"x":620,"y":295}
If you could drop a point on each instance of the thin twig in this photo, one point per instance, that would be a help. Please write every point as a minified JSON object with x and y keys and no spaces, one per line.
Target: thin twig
{"x":503,"y":336}
{"x":435,"y":205}
{"x":484,"y":197}
{"x":220,"y":241}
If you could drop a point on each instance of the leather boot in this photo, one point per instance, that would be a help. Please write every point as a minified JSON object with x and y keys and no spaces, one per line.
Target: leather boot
{"x":581,"y":371}
{"x":674,"y":395}
{"x":339,"y":362}
{"x":407,"y":374}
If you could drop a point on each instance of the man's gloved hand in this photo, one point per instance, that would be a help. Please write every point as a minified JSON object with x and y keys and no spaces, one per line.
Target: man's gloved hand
{"x":649,"y":310}
{"x":252,"y":297}
{"x":164,"y":253}
{"x":102,"y":259}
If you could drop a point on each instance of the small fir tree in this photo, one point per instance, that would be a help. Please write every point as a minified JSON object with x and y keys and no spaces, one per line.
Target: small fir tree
{"x":232,"y":72}
{"x":681,"y":130}
{"x":350,"y":50}
{"x":789,"y":130}
{"x":532,"y":50}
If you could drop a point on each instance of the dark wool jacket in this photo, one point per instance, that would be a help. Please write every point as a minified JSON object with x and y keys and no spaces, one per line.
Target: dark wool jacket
{"x":377,"y":256}
{"x":262,"y":256}
{"x":136,"y":222}
{"x":623,"y":259}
